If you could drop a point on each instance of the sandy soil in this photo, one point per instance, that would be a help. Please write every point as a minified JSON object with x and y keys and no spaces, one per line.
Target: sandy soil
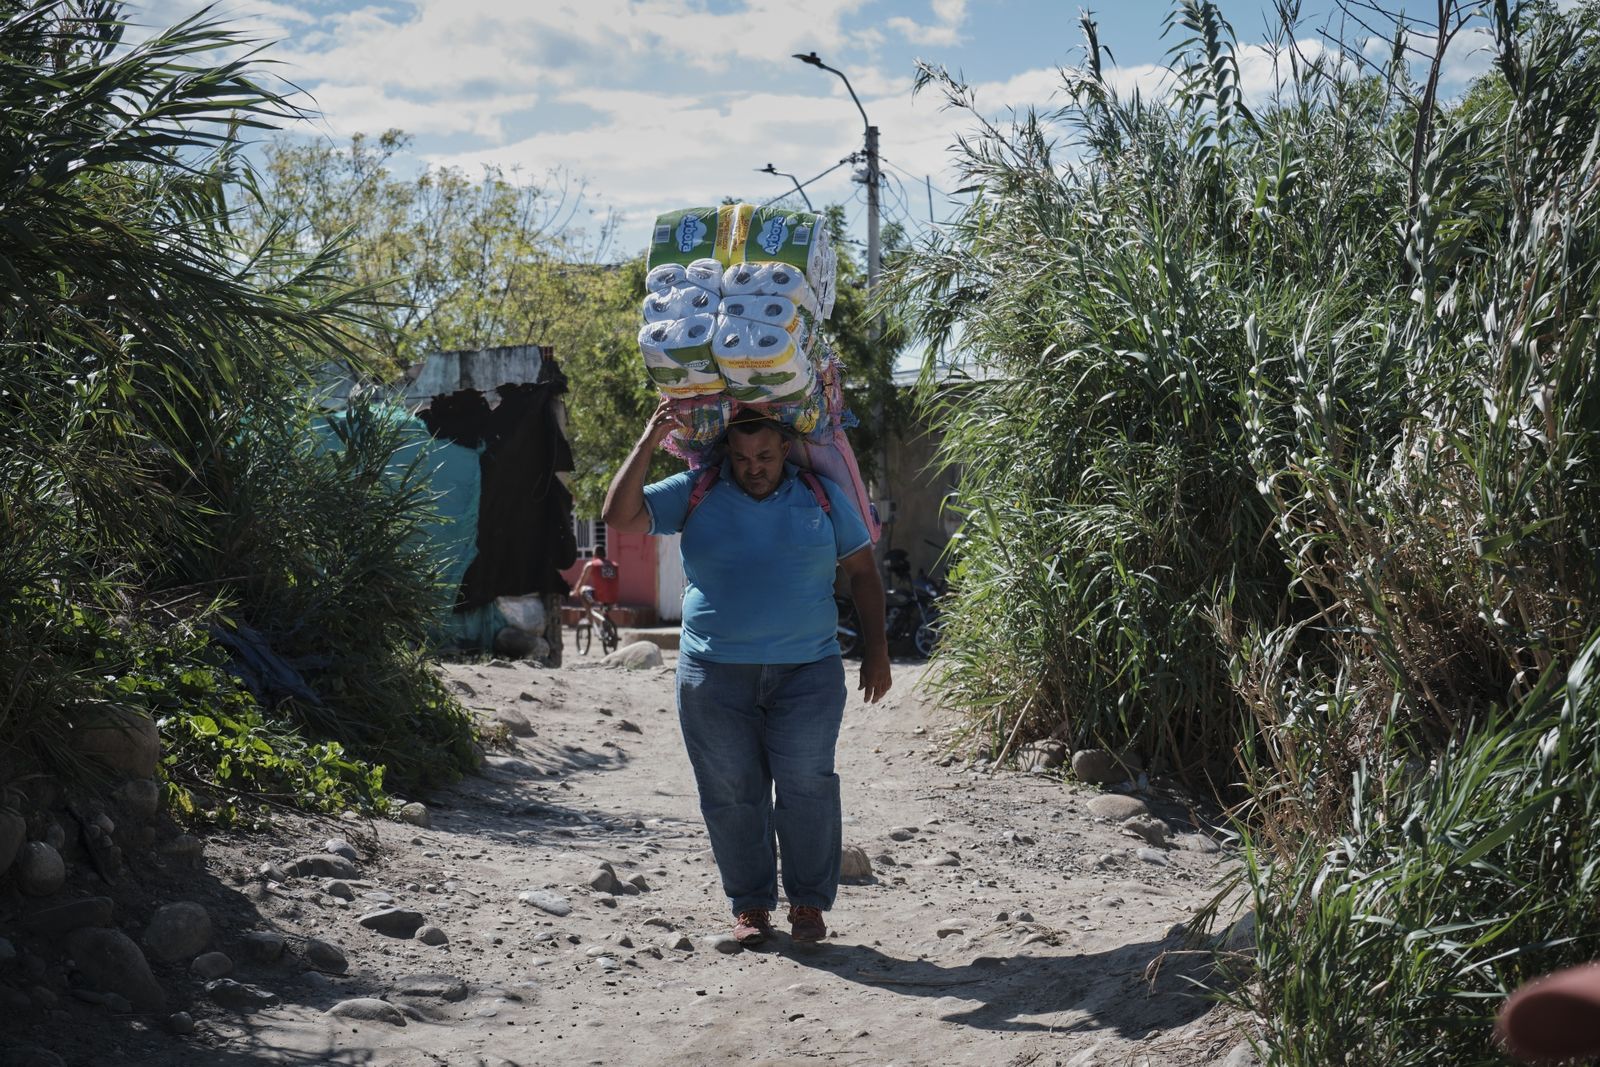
{"x":1033,"y":945}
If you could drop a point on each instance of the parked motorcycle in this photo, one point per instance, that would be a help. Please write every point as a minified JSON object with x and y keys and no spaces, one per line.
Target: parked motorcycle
{"x":911,"y":608}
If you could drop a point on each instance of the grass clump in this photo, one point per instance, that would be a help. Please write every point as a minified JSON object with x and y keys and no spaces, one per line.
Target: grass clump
{"x":1279,"y":463}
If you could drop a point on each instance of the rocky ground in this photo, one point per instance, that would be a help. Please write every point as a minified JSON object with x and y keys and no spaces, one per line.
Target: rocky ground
{"x":563,"y":908}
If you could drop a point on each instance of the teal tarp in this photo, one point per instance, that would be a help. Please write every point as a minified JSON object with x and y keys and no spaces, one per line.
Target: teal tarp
{"x":455,"y":479}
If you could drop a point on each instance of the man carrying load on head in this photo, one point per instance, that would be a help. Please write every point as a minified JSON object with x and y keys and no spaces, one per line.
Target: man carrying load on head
{"x":761,"y":687}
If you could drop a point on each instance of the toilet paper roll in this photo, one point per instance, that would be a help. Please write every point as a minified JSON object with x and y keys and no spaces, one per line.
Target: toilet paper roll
{"x":670,"y":276}
{"x":679,"y":303}
{"x":706,"y":274}
{"x":769,"y":279}
{"x":738,"y":339}
{"x":777,"y":311}
{"x":741,"y":338}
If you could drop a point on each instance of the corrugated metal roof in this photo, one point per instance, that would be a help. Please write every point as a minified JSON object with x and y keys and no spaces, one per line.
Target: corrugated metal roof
{"x":481,"y":369}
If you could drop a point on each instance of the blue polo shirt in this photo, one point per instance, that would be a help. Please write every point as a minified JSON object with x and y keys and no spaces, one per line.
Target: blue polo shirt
{"x":760,"y":572}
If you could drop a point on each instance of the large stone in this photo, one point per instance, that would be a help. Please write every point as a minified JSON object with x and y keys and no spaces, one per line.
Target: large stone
{"x":637,"y":656}
{"x":436,"y":986}
{"x":854,"y":866}
{"x":417,"y":815}
{"x":209,"y":965}
{"x":264,"y":946}
{"x":1098,"y":767}
{"x":369,"y":1009}
{"x":40,"y":869}
{"x":113,"y":963}
{"x":185,"y":849}
{"x":605,"y":880}
{"x":323,"y":865}
{"x":13,"y":832}
{"x":178,"y":931}
{"x":1241,"y":936}
{"x":121,"y":738}
{"x":514,"y":721}
{"x":546,"y":901}
{"x":1196,"y":843}
{"x":1041,"y":756}
{"x":140,"y":798}
{"x":239,"y":996}
{"x":1152,"y":829}
{"x":431,"y":935}
{"x":1116,"y":807}
{"x":396,"y":922}
{"x":73,"y":915}
{"x":338,"y":846}
{"x":325,"y":956}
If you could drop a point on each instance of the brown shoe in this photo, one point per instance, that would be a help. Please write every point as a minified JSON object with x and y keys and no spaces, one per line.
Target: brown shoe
{"x":753,"y":926}
{"x":805,"y":923}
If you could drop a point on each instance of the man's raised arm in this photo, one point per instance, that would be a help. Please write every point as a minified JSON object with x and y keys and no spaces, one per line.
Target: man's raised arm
{"x":625,"y":508}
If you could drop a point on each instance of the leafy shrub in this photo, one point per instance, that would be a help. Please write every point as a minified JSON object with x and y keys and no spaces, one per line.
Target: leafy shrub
{"x":153,"y":381}
{"x":1450,"y":885}
{"x":225,"y":760}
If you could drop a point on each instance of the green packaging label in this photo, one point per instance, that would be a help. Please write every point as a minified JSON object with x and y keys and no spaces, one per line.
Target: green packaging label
{"x":684,"y":236}
{"x":779,"y":236}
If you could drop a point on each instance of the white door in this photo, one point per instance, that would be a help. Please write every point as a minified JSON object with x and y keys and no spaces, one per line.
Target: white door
{"x":670,"y":581}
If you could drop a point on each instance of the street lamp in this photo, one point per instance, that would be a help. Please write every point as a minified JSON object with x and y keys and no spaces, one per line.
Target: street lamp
{"x":875,"y":329}
{"x":770,"y":169}
{"x":813,"y":60}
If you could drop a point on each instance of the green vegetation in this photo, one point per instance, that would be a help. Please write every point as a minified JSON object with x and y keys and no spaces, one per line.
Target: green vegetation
{"x":1281,"y":467}
{"x":456,"y":262}
{"x":157,"y":480}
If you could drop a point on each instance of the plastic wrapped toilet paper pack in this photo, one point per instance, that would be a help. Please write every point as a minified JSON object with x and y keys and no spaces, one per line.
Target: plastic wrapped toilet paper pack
{"x":677,"y":356}
{"x":679,"y":303}
{"x":798,"y":238}
{"x":774,"y":310}
{"x":770,"y":279}
{"x":760,"y":362}
{"x":718,"y":233}
{"x":706,"y":274}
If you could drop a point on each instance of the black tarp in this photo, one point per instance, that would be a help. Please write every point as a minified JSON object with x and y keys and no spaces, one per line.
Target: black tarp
{"x":525,"y":536}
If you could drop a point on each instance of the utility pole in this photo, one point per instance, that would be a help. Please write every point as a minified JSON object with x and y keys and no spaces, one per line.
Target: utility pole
{"x":874,"y":262}
{"x":874,"y":249}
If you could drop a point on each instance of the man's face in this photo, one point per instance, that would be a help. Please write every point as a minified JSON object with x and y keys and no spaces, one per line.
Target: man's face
{"x":757,"y":460}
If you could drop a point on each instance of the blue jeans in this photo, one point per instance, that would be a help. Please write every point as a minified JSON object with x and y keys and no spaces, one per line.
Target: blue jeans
{"x":752,"y":729}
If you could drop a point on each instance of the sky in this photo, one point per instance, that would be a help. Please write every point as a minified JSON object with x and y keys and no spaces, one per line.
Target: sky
{"x":651,"y":105}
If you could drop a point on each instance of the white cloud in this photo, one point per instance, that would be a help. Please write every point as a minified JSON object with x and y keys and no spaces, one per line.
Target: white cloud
{"x":944,"y":31}
{"x":1471,"y":55}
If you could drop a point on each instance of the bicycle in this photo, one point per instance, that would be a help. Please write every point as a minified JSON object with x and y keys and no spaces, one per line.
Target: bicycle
{"x":583,"y":630}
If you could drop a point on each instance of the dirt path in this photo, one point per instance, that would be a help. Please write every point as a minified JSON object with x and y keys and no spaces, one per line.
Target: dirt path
{"x":1012,"y":927}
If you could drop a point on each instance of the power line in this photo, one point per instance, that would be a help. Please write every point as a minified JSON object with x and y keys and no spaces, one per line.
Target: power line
{"x":918,"y":178}
{"x":847,"y":159}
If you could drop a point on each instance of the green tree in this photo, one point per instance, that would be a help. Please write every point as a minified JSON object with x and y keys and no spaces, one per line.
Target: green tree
{"x":462,"y":263}
{"x":455,"y":262}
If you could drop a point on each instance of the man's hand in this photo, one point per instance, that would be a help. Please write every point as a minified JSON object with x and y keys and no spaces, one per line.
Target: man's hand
{"x":625,"y":507}
{"x":662,"y":422}
{"x":875,"y":679}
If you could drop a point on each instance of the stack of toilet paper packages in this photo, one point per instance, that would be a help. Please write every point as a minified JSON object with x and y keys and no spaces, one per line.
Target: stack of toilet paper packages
{"x":735,"y":296}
